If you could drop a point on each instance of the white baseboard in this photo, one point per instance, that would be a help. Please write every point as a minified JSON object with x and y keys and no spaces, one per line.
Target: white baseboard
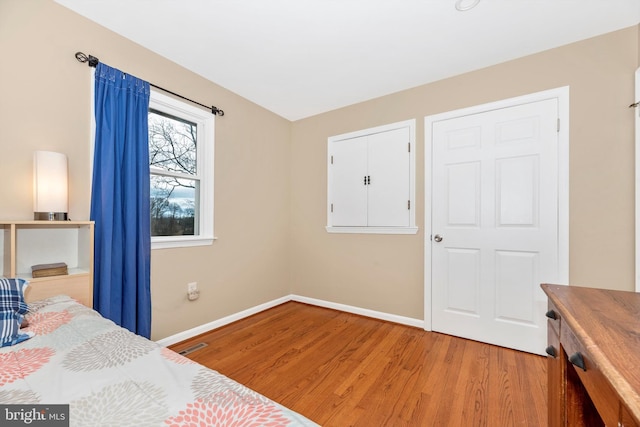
{"x":190,"y":333}
{"x":409,"y":321}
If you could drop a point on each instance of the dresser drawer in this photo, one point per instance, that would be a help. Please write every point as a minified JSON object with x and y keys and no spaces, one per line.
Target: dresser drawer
{"x":553,"y":318}
{"x":602,"y":394}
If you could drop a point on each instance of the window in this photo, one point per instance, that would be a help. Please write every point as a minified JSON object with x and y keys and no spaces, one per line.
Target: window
{"x":181,"y":147}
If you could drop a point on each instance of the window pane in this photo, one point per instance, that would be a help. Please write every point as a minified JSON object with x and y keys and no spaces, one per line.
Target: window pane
{"x":174,"y":204}
{"x":172,"y":143}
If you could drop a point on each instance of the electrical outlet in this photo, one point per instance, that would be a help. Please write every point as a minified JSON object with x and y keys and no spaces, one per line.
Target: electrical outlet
{"x":192,"y":287}
{"x":193,"y":293}
{"x":192,"y":296}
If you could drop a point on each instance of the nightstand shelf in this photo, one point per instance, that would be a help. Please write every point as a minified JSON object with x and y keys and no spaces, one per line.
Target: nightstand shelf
{"x":27,"y":243}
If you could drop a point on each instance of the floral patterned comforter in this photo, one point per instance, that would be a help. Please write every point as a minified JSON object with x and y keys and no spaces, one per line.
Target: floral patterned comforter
{"x":109,"y":376}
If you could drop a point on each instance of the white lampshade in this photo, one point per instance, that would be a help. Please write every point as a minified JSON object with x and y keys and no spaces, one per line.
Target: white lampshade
{"x":50,"y":186}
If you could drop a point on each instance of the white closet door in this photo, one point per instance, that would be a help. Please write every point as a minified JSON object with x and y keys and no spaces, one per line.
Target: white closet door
{"x":389,"y":169}
{"x":495,"y":224}
{"x":348,"y":188}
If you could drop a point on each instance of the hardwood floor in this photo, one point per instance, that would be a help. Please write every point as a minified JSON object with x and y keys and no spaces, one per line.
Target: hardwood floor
{"x":340,"y":369}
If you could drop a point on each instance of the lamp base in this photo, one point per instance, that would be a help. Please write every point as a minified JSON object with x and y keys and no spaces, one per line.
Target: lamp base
{"x":50,"y":216}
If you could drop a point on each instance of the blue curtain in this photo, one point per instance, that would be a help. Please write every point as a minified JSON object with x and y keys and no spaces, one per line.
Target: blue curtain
{"x":120,"y":200}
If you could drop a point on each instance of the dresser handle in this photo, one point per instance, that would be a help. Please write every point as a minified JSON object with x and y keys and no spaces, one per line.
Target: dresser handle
{"x":551,"y":315}
{"x":577,"y":360}
{"x":551,"y":351}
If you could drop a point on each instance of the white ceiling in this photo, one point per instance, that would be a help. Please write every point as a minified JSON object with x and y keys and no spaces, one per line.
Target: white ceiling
{"x":299,"y":58}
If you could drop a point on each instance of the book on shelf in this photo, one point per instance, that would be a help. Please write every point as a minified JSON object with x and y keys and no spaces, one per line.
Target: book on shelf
{"x":46,"y":270}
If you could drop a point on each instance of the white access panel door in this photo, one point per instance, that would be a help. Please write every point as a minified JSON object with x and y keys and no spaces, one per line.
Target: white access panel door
{"x":389,"y":174}
{"x":348,"y":186}
{"x":495,"y":224}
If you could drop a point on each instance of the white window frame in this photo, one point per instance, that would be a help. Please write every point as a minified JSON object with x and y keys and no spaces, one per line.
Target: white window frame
{"x":205,"y":163}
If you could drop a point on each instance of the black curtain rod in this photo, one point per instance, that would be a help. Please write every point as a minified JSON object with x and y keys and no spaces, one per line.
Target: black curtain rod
{"x":92,"y":61}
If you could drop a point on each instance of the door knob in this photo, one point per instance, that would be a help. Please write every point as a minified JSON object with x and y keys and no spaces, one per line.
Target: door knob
{"x":437,"y":238}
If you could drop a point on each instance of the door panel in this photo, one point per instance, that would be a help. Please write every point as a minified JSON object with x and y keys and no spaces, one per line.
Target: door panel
{"x":387,"y":205}
{"x":516,"y":280}
{"x":463,"y":195}
{"x":349,"y":199}
{"x":463,"y":293}
{"x":497,"y":214}
{"x":517,"y":191}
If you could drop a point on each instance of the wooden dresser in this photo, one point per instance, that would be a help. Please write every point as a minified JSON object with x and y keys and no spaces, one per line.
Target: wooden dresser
{"x":594,"y":356}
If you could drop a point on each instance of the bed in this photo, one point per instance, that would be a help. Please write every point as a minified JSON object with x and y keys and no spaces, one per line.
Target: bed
{"x":110,"y":376}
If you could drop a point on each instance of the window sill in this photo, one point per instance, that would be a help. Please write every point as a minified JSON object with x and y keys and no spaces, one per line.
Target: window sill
{"x":180,"y":242}
{"x":373,"y":230}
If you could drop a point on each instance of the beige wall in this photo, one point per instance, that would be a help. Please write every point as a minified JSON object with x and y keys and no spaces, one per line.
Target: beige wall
{"x":270,"y":189}
{"x":385,"y":273}
{"x":45,"y":104}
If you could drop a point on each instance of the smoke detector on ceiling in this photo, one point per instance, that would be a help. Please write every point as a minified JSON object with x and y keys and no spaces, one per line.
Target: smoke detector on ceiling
{"x":463,"y":5}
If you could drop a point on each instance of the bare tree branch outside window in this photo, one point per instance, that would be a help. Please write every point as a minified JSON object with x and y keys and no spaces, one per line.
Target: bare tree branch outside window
{"x":173,"y":150}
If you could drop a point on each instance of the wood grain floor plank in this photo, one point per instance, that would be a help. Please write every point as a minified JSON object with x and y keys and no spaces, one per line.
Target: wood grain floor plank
{"x":341,"y":369}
